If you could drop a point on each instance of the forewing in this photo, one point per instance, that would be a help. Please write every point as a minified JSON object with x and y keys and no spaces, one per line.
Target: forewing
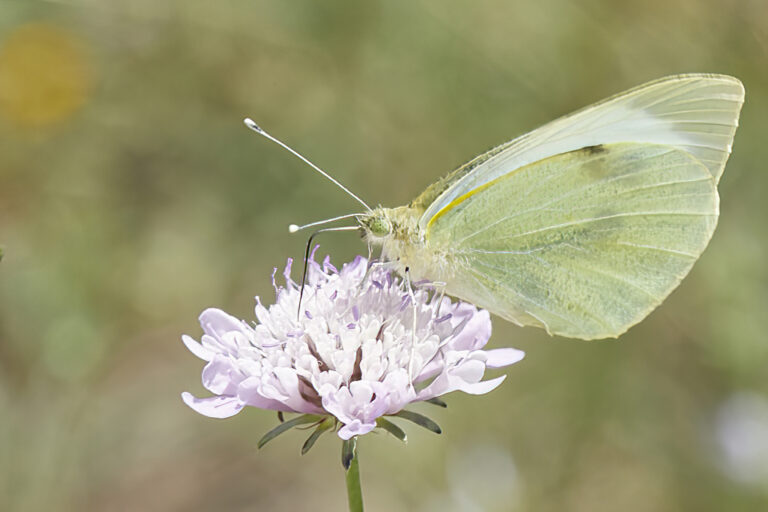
{"x":697,"y":113}
{"x":585,"y":243}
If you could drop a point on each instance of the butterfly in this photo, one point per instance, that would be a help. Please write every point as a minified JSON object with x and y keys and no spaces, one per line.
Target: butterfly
{"x":582,"y":226}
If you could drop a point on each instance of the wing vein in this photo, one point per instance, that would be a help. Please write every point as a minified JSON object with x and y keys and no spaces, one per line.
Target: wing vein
{"x":597,"y":219}
{"x":662,"y":249}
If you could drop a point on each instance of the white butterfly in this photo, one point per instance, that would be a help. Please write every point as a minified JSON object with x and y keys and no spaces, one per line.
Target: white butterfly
{"x":582,"y":226}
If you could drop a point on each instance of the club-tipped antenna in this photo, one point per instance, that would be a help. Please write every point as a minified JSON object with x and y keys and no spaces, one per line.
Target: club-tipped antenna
{"x":253,"y":126}
{"x":295,"y":227}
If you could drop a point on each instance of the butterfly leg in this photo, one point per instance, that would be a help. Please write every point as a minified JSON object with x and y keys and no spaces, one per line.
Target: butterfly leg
{"x":372,"y":266}
{"x":442,"y":296}
{"x":412,"y":296}
{"x":438,"y":285}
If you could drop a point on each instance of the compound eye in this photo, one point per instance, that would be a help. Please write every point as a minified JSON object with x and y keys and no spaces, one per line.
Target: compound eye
{"x":380,"y":226}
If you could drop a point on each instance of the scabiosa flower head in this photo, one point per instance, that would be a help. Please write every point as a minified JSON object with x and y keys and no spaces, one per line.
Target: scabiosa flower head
{"x":350,"y":352}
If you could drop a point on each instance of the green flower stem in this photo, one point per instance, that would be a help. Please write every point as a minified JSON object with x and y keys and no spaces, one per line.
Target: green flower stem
{"x":354,"y":491}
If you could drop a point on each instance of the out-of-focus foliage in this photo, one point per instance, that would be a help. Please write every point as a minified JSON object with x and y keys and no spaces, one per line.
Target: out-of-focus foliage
{"x":132,"y":197}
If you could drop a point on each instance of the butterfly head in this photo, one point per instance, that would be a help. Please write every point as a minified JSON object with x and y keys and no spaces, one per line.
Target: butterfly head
{"x":376,"y":225}
{"x":395,"y":229}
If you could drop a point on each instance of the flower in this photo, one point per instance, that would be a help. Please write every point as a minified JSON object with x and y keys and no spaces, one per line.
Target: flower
{"x":350,"y":352}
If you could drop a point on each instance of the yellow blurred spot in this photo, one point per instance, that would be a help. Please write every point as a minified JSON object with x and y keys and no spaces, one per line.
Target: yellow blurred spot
{"x":44,"y":75}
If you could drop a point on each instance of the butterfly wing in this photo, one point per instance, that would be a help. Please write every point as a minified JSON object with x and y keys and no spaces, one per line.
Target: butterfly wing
{"x":585,"y":243}
{"x":697,"y":113}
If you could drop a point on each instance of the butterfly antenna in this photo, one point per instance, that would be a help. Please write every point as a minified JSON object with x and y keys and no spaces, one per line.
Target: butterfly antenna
{"x":253,"y":126}
{"x":294,"y":227}
{"x":306,"y":260}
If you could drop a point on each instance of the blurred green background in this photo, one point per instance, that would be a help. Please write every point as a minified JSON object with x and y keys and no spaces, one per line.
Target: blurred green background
{"x":132,"y":197}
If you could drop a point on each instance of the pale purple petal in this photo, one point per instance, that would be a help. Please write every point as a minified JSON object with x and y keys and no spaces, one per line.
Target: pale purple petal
{"x":216,"y":322}
{"x":470,"y":370}
{"x":481,"y":388}
{"x":215,"y":406}
{"x":445,"y":384}
{"x":361,"y":391}
{"x":289,"y":383}
{"x":464,"y":377}
{"x":197,"y":349}
{"x":337,"y":404}
{"x":248,"y":393}
{"x":476,"y":331}
{"x":430,"y":370}
{"x":500,"y":357}
{"x":220,"y":376}
{"x":355,"y":428}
